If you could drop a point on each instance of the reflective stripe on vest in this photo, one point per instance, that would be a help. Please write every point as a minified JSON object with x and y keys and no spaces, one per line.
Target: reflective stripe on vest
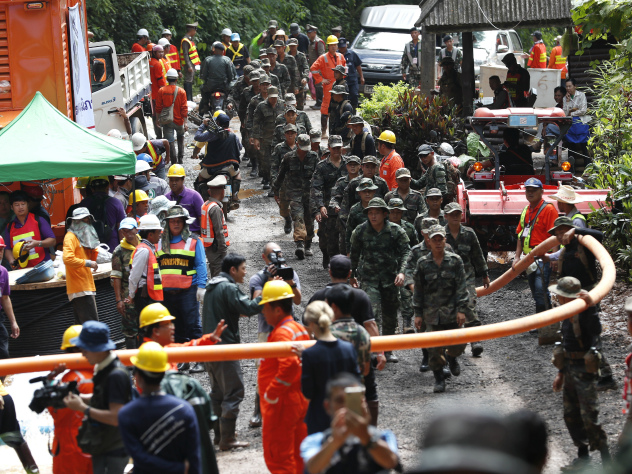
{"x":512,"y":80}
{"x":165,"y":67}
{"x":206,"y":226}
{"x":29,"y":231}
{"x":193,"y":54}
{"x":178,"y":266}
{"x":172,"y":57}
{"x":156,"y":158}
{"x":526,"y":247}
{"x":154,"y":280}
{"x":236,"y":54}
{"x":291,"y":326}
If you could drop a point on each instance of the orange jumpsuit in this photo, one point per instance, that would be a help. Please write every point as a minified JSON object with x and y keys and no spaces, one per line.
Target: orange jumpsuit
{"x":68,"y":458}
{"x":322,"y":69}
{"x":389,"y":166}
{"x":205,"y":340}
{"x":157,"y":74}
{"x":537,"y":57}
{"x":283,"y":406}
{"x":557,"y":61}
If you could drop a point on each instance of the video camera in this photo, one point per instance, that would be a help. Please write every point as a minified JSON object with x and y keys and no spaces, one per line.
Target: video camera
{"x":51,"y":395}
{"x":282,"y":270}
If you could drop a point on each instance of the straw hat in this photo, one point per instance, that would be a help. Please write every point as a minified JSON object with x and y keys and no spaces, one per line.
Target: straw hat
{"x":567,"y":195}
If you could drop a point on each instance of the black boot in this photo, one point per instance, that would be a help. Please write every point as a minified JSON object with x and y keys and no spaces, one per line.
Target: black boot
{"x":424,"y":361}
{"x":605,"y":455}
{"x":181,"y":150}
{"x":255,"y":419}
{"x":130,"y":343}
{"x":308,"y":248}
{"x":172,"y":153}
{"x":453,"y":363}
{"x":374,"y":410}
{"x":439,"y":381}
{"x":287,"y":228}
{"x":300,"y":250}
{"x":266,"y":184}
{"x":477,"y":349}
{"x":323,"y":125}
{"x":325,"y":260}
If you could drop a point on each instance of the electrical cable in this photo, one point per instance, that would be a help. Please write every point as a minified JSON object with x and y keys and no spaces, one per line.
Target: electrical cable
{"x":490,"y":22}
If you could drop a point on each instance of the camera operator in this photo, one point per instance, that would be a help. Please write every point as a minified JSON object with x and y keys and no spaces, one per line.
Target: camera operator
{"x":67,"y":456}
{"x":274,"y":260}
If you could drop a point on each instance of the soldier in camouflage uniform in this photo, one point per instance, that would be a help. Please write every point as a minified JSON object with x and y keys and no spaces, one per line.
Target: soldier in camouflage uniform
{"x":337,"y":192}
{"x":414,"y":202}
{"x":303,"y":68}
{"x":340,"y":110}
{"x":288,"y":117}
{"x":379,"y":250}
{"x":366,"y":190}
{"x":411,"y":59}
{"x":465,"y":244}
{"x":325,"y":176}
{"x":235,"y":94}
{"x":263,"y":125}
{"x":435,"y":175}
{"x":433,"y":205}
{"x":296,"y":171}
{"x":301,"y":118}
{"x":120,"y":281}
{"x":370,"y":168}
{"x":280,"y":70}
{"x":450,"y":82}
{"x":242,"y":111}
{"x":274,"y":79}
{"x":440,"y":300}
{"x":578,"y":365}
{"x":396,"y":211}
{"x":255,"y":153}
{"x":290,"y":63}
{"x":316,"y":137}
{"x":282,"y":149}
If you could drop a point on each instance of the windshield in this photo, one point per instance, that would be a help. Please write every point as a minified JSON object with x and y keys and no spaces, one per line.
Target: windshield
{"x":485,"y":40}
{"x":382,"y":41}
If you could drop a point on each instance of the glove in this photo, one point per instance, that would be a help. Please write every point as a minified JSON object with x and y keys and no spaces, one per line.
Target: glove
{"x":200,"y":294}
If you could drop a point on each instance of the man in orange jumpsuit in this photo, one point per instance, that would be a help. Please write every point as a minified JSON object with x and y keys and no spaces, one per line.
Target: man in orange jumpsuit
{"x":283,"y":406}
{"x":322,"y":71}
{"x":537,"y":55}
{"x":391,"y":161}
{"x":557,"y":60}
{"x":158,"y":73}
{"x":68,"y":458}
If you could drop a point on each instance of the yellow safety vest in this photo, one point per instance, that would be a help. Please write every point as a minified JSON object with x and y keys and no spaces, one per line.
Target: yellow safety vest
{"x":193,"y":54}
{"x":236,"y":54}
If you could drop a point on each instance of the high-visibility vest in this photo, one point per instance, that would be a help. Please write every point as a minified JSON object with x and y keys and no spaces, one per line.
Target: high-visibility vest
{"x":177,"y":265}
{"x":156,"y":158}
{"x":154,"y":279}
{"x":512,"y":83}
{"x":173,"y":57}
{"x":104,"y":75}
{"x":537,"y":57}
{"x":193,"y":54}
{"x":165,"y":67}
{"x":206,"y":225}
{"x":558,"y":61}
{"x":236,"y":54}
{"x":526,"y":243}
{"x":29,"y":231}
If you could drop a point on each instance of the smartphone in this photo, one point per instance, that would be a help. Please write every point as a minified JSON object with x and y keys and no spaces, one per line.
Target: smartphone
{"x":353,"y":399}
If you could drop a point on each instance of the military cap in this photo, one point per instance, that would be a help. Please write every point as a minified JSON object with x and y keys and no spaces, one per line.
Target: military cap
{"x":278,"y":43}
{"x":424,"y":150}
{"x":218,"y":181}
{"x":195,"y":24}
{"x":560,"y":222}
{"x":433,"y":192}
{"x":370,"y":159}
{"x":339,"y":90}
{"x":413,"y":28}
{"x":402,"y":173}
{"x":452,"y":207}
{"x":272,"y":50}
{"x":304,"y":142}
{"x":427,"y":223}
{"x":292,"y":42}
{"x":265,"y":62}
{"x":273,"y":91}
{"x":533,"y":183}
{"x":290,"y":127}
{"x":353,"y":159}
{"x":340,"y":68}
{"x":289,"y":108}
{"x":436,"y":230}
{"x":290,"y":99}
{"x":628,"y":304}
{"x":310,"y":28}
{"x":248,"y":69}
{"x":336,"y":29}
{"x":366,"y":184}
{"x":568,"y":287}
{"x":273,"y":24}
{"x":255,"y":63}
{"x":396,"y":203}
{"x":376,"y":203}
{"x":263,"y":53}
{"x":254,"y":76}
{"x":447,"y":61}
{"x":264,"y":78}
{"x":355,"y":120}
{"x":335,"y":141}
{"x":315,"y":135}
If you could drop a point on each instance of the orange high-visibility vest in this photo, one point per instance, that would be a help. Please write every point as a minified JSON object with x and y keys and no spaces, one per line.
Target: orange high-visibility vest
{"x":537,"y":57}
{"x":173,"y":57}
{"x":154,"y":279}
{"x":206,"y":226}
{"x":177,"y":267}
{"x":193,"y":54}
{"x":558,"y":61}
{"x":29,"y":231}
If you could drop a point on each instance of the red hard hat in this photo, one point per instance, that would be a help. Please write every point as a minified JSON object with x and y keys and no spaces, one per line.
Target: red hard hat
{"x":2,"y":242}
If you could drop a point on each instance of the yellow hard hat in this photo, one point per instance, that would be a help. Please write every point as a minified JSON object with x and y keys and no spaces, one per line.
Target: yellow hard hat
{"x":154,"y":313}
{"x":217,"y":112}
{"x":22,"y":256}
{"x":94,"y":179}
{"x":332,"y":39}
{"x":176,"y":171}
{"x":275,"y":290}
{"x":70,"y":333}
{"x":387,"y":136}
{"x":82,"y":182}
{"x":141,"y":196}
{"x":151,"y":357}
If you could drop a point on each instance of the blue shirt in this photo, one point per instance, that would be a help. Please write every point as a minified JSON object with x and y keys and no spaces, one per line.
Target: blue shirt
{"x":160,"y":432}
{"x":199,"y":263}
{"x":353,"y":61}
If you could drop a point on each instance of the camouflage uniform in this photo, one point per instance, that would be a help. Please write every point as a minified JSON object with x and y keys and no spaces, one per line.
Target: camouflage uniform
{"x":251,"y":150}
{"x":297,"y":177}
{"x":415,"y":203}
{"x":405,"y":295}
{"x":348,"y":330}
{"x":420,"y":218}
{"x":350,"y":196}
{"x":325,"y":177}
{"x":303,"y":67}
{"x":280,"y":151}
{"x":295,"y":77}
{"x":337,"y":193}
{"x":413,"y":71}
{"x":120,"y":269}
{"x":302,"y":120}
{"x":434,"y":177}
{"x":440,"y":293}
{"x":263,"y":125}
{"x":376,"y":259}
{"x":357,"y":216}
{"x":236,"y":92}
{"x":339,"y":113}
{"x":284,"y":77}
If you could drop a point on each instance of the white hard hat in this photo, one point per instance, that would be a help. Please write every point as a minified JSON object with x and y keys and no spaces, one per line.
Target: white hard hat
{"x":227,"y":32}
{"x":172,"y":74}
{"x":143,"y":32}
{"x":166,"y":32}
{"x":446,"y":149}
{"x":163,"y":42}
{"x":138,"y":141}
{"x":142,"y":166}
{"x":115,"y":133}
{"x":149,"y":222}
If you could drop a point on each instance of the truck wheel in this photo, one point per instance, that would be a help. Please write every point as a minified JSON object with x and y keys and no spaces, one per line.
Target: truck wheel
{"x":137,"y":126}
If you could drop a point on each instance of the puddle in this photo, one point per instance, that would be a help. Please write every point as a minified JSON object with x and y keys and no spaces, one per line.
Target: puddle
{"x":247,"y":193}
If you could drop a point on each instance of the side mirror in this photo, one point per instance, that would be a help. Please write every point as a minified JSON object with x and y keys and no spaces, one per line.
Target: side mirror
{"x":502,"y":48}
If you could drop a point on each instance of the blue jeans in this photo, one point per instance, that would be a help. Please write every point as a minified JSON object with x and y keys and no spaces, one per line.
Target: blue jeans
{"x":185,"y":307}
{"x":540,"y":289}
{"x":160,"y":172}
{"x":353,"y":92}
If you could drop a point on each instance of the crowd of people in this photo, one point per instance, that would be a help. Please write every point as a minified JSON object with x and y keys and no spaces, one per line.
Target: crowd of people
{"x":389,"y":242}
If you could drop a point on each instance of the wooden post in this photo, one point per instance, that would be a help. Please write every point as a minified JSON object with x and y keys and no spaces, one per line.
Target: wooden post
{"x":429,"y":66}
{"x":467,"y":73}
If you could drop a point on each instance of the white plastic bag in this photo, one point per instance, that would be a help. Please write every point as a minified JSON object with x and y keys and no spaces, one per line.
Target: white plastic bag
{"x":104,"y":255}
{"x":60,"y":268}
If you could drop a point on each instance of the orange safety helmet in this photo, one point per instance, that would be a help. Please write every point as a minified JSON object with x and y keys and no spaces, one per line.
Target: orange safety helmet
{"x":150,"y":46}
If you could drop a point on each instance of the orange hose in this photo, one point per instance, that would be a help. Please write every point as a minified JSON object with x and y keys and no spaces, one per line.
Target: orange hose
{"x":378,"y":344}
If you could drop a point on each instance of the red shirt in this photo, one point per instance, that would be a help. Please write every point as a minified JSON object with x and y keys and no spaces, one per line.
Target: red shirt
{"x":389,"y":165}
{"x":540,"y":228}
{"x":158,"y":80}
{"x":137,"y":48}
{"x":164,"y":98}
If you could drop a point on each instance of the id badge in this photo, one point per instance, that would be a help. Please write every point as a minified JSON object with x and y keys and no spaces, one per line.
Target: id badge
{"x":414,"y":61}
{"x":525,"y":232}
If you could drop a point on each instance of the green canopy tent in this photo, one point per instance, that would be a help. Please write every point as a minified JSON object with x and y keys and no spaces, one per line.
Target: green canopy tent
{"x":42,"y":143}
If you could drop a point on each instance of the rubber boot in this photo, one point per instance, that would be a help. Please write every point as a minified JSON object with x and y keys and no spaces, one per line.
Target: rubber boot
{"x":236,"y":188}
{"x":453,"y":363}
{"x":172,"y":153}
{"x":181,"y":150}
{"x":308,"y":248}
{"x":228,"y":439}
{"x":255,"y":419}
{"x":287,"y":228}
{"x":439,"y":381}
{"x":374,"y":410}
{"x":130,"y":343}
{"x":323,"y":125}
{"x":325,"y":260}
{"x":477,"y":349}
{"x":26,"y":458}
{"x":300,"y":250}
{"x":424,"y":361}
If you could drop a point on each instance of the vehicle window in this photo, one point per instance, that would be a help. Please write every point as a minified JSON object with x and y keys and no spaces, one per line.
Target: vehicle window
{"x":486,"y":40}
{"x":101,"y":68}
{"x":382,"y":41}
{"x":504,"y":40}
{"x":515,"y":40}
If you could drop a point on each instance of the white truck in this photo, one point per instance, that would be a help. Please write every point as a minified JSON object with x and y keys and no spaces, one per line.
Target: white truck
{"x":119,"y":80}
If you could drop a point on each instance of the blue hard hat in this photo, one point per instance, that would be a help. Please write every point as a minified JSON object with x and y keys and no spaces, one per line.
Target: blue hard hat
{"x":94,"y":337}
{"x":235,"y":37}
{"x":222,"y":120}
{"x":533,"y":183}
{"x":145,"y":157}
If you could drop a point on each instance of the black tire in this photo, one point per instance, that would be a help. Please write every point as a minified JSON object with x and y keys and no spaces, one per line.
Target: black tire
{"x":137,"y":126}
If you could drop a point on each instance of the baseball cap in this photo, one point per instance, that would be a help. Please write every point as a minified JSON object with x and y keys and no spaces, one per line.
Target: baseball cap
{"x":533,"y":183}
{"x":315,"y":135}
{"x":568,"y":287}
{"x":436,"y":230}
{"x":396,"y":203}
{"x":304,"y":142}
{"x":128,"y":223}
{"x":402,"y":173}
{"x":265,"y":62}
{"x":272,"y":51}
{"x":273,"y":24}
{"x":264,"y":79}
{"x":370,"y":159}
{"x":342,"y":43}
{"x":290,"y":108}
{"x":290,"y":127}
{"x":366,"y":184}
{"x":235,"y":37}
{"x":273,"y":91}
{"x":452,"y":207}
{"x":290,"y":99}
{"x":424,"y":150}
{"x":254,"y":76}
{"x":339,"y":264}
{"x":433,"y":192}
{"x":335,"y":141}
{"x":353,"y":159}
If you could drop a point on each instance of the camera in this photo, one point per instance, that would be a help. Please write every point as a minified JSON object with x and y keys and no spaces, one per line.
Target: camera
{"x":285,"y":272}
{"x":51,"y":395}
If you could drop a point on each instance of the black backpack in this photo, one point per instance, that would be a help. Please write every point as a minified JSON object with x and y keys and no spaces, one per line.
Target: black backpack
{"x":97,"y":209}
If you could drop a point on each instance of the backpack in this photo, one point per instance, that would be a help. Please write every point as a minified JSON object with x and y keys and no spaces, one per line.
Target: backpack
{"x":189,"y":389}
{"x":453,"y":178}
{"x":166,"y":114}
{"x":97,"y":209}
